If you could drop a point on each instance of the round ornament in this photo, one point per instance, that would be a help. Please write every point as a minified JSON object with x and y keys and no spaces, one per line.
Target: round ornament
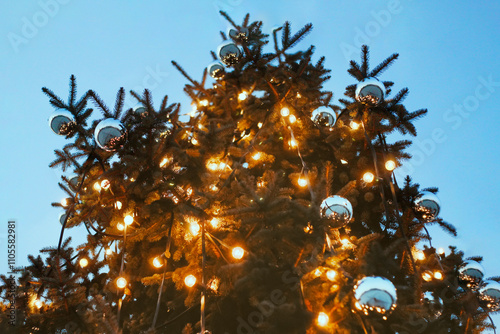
{"x":324,"y":117}
{"x":109,"y":134}
{"x":216,"y":70}
{"x":428,"y":204}
{"x":471,"y":272}
{"x":490,"y":294}
{"x":229,"y":53}
{"x":62,"y":123}
{"x":337,"y":210}
{"x":370,"y":90}
{"x":62,"y":218}
{"x":375,"y":294}
{"x":240,"y":35}
{"x":140,"y":111}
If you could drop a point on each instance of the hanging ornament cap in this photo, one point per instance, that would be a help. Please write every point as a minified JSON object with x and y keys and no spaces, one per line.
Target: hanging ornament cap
{"x":216,"y":70}
{"x":376,"y":294}
{"x":110,"y":134}
{"x":428,"y":204}
{"x":471,"y":272}
{"x":229,"y":53}
{"x":240,"y":35}
{"x":62,"y":123}
{"x":337,"y":209}
{"x":370,"y":91}
{"x":490,"y":295}
{"x":324,"y":117}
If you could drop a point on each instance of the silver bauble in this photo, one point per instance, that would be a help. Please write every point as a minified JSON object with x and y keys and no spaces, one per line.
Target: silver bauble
{"x":472,"y":272}
{"x":375,"y":294}
{"x":428,"y":204}
{"x":324,"y":117}
{"x":59,"y":120}
{"x":337,"y":209}
{"x":216,"y":70}
{"x":229,"y":53}
{"x":370,"y":90}
{"x":140,"y":111}
{"x":241,"y":34}
{"x":490,"y":294}
{"x":109,"y":134}
{"x":62,"y":218}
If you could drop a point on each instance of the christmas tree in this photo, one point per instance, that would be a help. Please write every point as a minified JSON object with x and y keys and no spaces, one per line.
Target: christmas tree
{"x":267,"y":209}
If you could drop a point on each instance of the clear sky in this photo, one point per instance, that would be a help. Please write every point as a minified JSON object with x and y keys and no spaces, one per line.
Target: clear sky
{"x":448,"y":59}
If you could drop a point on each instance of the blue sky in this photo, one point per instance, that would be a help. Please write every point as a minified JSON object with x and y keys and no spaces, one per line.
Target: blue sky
{"x":448,"y":59}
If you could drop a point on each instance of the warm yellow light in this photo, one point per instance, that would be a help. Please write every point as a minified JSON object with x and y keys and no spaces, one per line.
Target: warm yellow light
{"x":213,"y":166}
{"x":118,"y":205}
{"x":157,"y":262}
{"x":292,"y":119}
{"x":331,"y":275}
{"x":214,"y":284}
{"x":204,"y":103}
{"x":285,"y":111}
{"x":97,"y":186}
{"x":109,"y":251}
{"x":214,"y":187}
{"x":164,"y":162}
{"x":259,"y":125}
{"x":121,"y":282}
{"x":441,"y":251}
{"x":194,"y":227}
{"x":390,"y":165}
{"x":345,"y":242}
{"x":354,"y":125}
{"x":299,"y":96}
{"x":120,"y":226}
{"x":438,"y":275}
{"x":317,"y":272}
{"x":260,"y":184}
{"x":368,"y":177}
{"x":83,"y":262}
{"x":257,"y":156}
{"x":194,"y":141}
{"x":292,"y":143}
{"x":419,"y":255}
{"x":302,"y":181}
{"x":38,"y":303}
{"x":323,"y":319}
{"x":242,"y":96}
{"x":214,"y":222}
{"x":128,"y":219}
{"x":238,"y":253}
{"x":64,"y":202}
{"x":105,"y":184}
{"x":190,"y":281}
{"x":427,"y":276}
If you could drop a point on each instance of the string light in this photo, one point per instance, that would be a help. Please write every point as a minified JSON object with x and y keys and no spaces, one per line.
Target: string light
{"x":118,"y":205}
{"x":292,"y":119}
{"x":121,"y":282}
{"x":214,"y":187}
{"x":323,"y":319}
{"x":38,"y":303}
{"x":109,"y":251}
{"x":331,"y":275}
{"x":298,"y":95}
{"x":419,"y":255}
{"x":105,"y":184}
{"x":368,"y":177}
{"x":157,"y":262}
{"x":165,"y":161}
{"x":292,"y":143}
{"x":259,"y":125}
{"x":190,"y":281}
{"x":257,"y":156}
{"x":242,"y":96}
{"x":238,"y":253}
{"x":204,"y":103}
{"x":214,"y":222}
{"x":128,"y":219}
{"x":285,"y":111}
{"x":194,"y":227}
{"x":427,"y":276}
{"x":308,"y":229}
{"x":317,"y":272}
{"x":438,"y":275}
{"x":120,"y":226}
{"x":194,"y":141}
{"x":214,"y":284}
{"x":64,"y":202}
{"x":354,"y":125}
{"x":344,"y":162}
{"x":83,"y":262}
{"x":345,"y":242}
{"x":441,"y":251}
{"x":390,"y":165}
{"x":302,"y":181}
{"x":97,"y":186}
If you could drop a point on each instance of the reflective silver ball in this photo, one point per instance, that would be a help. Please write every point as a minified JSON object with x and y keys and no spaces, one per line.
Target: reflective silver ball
{"x":472,"y":272}
{"x":490,"y":294}
{"x":59,"y":122}
{"x":375,"y":294}
{"x":141,"y":111}
{"x":324,"y":117}
{"x":229,"y":53}
{"x":216,"y":70}
{"x":428,"y":204}
{"x":241,"y":35}
{"x":370,"y":91}
{"x":109,"y":134}
{"x":337,"y":209}
{"x":62,"y":218}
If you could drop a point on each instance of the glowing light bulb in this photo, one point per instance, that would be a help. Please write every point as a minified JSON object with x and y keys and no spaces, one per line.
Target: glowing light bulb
{"x":285,"y":111}
{"x":157,"y":262}
{"x":368,"y":177}
{"x":292,"y":119}
{"x":121,"y":282}
{"x":213,"y":166}
{"x":317,"y":272}
{"x":214,"y":222}
{"x":257,"y":156}
{"x":204,"y":103}
{"x":354,"y":125}
{"x":65,"y":202}
{"x":194,"y":227}
{"x":323,"y":319}
{"x":345,"y":242}
{"x":292,"y":143}
{"x":238,"y":253}
{"x":194,"y":141}
{"x":302,"y":181}
{"x":438,"y":275}
{"x":128,"y":219}
{"x":427,"y":276}
{"x":441,"y":251}
{"x":164,"y":162}
{"x":190,"y":281}
{"x":120,"y":226}
{"x":390,"y":165}
{"x":83,"y":262}
{"x":259,"y":125}
{"x":105,"y":184}
{"x":242,"y":96}
{"x":97,"y":186}
{"x":118,"y":205}
{"x":308,"y":229}
{"x":38,"y":303}
{"x":214,"y":284}
{"x":331,"y":275}
{"x":419,"y":255}
{"x":299,"y":96}
{"x":214,"y":187}
{"x":109,"y":251}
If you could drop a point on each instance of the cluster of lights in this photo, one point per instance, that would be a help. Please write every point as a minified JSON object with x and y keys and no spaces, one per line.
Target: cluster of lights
{"x":214,"y":166}
{"x":204,"y":103}
{"x":118,"y":205}
{"x":428,"y":275}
